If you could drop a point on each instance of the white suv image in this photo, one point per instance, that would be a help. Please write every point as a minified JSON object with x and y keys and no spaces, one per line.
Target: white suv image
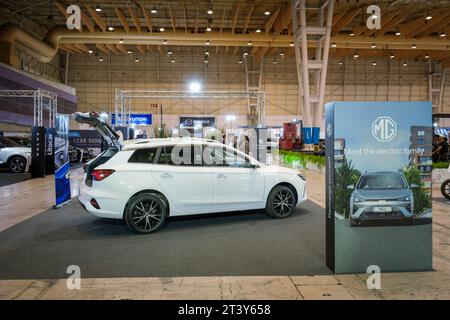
{"x":14,"y":156}
{"x":145,"y":181}
{"x":381,"y":195}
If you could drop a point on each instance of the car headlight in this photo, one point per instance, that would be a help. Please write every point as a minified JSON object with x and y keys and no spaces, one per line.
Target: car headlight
{"x":301,"y":176}
{"x":408,"y":198}
{"x":357,"y":199}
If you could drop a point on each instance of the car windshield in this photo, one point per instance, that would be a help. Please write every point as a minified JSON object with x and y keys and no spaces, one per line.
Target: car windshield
{"x":7,"y":143}
{"x":382,"y":181}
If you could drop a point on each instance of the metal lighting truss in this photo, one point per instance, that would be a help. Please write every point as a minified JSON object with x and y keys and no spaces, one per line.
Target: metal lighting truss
{"x":436,"y":83}
{"x":253,"y":78}
{"x":304,"y":33}
{"x":41,"y":98}
{"x":123,"y":100}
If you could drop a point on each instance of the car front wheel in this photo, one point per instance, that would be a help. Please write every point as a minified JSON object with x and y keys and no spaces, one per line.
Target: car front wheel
{"x":445,"y":189}
{"x":17,"y":164}
{"x":146,"y":213}
{"x":281,"y":202}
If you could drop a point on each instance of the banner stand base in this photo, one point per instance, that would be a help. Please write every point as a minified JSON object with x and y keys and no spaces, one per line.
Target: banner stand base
{"x":57,"y":206}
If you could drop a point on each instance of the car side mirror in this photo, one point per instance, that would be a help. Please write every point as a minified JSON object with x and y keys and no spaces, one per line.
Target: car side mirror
{"x":414,"y":186}
{"x":351,"y":187}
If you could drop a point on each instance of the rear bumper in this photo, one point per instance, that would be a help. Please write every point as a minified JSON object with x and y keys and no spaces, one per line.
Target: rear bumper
{"x":111,"y":206}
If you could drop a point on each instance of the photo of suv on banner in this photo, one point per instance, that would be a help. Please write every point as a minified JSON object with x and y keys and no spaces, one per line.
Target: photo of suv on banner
{"x":381,"y":195}
{"x":145,"y":181}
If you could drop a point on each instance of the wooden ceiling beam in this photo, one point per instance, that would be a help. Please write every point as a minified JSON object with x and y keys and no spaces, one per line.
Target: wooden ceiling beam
{"x":135,"y":17}
{"x":271,"y":21}
{"x":112,"y":48}
{"x":437,"y":27}
{"x":172,"y":19}
{"x":283,"y":19}
{"x":122,"y":19}
{"x":160,"y":50}
{"x":82,"y":47}
{"x":121,"y":48}
{"x":102,"y":48}
{"x":429,"y":25}
{"x":247,"y":18}
{"x":345,"y":20}
{"x":259,"y":55}
{"x":222,"y":20}
{"x":389,"y":26}
{"x":235,"y":50}
{"x":147,"y":17}
{"x":414,"y":24}
{"x":185,"y":17}
{"x":140,"y":48}
{"x":235,"y":17}
{"x":98,"y":20}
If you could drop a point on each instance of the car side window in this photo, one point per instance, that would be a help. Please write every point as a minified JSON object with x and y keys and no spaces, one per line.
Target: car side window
{"x":144,"y":156}
{"x":186,"y":155}
{"x":223,"y":156}
{"x":166,"y":155}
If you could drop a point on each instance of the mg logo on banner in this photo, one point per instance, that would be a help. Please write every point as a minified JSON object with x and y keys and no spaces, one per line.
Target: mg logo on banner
{"x":384,"y":129}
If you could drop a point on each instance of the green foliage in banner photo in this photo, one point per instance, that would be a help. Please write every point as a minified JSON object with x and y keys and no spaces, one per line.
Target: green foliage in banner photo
{"x":422,"y":200}
{"x":345,"y":175}
{"x":441,"y":165}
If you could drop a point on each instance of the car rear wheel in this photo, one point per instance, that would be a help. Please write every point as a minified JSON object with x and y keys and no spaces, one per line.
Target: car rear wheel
{"x":17,"y":164}
{"x":445,"y":189}
{"x":146,"y":213}
{"x":281,"y":202}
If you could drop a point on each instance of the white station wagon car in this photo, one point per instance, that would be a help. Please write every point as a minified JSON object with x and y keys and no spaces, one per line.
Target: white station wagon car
{"x":145,"y":181}
{"x":14,"y":156}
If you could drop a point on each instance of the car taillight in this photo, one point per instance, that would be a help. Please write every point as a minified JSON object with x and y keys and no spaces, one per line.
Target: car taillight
{"x":100,"y":174}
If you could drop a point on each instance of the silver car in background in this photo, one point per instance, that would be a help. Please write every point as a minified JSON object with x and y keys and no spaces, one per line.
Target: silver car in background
{"x":381,"y":195}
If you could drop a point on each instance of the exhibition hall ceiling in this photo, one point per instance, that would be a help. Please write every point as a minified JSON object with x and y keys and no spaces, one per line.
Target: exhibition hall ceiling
{"x":409,"y":29}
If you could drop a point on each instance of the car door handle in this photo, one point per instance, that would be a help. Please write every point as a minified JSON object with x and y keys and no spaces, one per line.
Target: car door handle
{"x":166,"y":175}
{"x":221,"y":176}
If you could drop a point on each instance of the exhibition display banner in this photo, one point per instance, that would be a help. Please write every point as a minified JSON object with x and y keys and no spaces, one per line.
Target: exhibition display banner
{"x":62,"y":166}
{"x":378,"y":185}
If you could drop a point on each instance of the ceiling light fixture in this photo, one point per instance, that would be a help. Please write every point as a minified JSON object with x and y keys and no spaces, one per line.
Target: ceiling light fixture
{"x":161,"y":29}
{"x":355,"y":55}
{"x":90,"y":51}
{"x":442,"y":34}
{"x":100,"y":59}
{"x":429,"y":17}
{"x":207,"y":52}
{"x":210,"y":11}
{"x":282,"y":53}
{"x":427,"y":56}
{"x":121,"y":41}
{"x":173,"y":60}
{"x":373,"y":45}
{"x":374,"y":63}
{"x":405,"y":64}
{"x":351,"y":34}
{"x":341,"y":62}
{"x":274,"y":61}
{"x":398,"y":33}
{"x":245,"y":53}
{"x":413,"y":46}
{"x":169,"y":52}
{"x":111,"y":28}
{"x":240,"y":61}
{"x":130,"y":52}
{"x":249,"y":43}
{"x":208,"y":28}
{"x":267,"y":12}
{"x":333,"y":44}
{"x":207,"y":42}
{"x":153,"y":10}
{"x":165,"y":41}
{"x":258,"y":30}
{"x":291,"y":44}
{"x":136,"y":60}
{"x":392,"y":56}
{"x":98,"y":9}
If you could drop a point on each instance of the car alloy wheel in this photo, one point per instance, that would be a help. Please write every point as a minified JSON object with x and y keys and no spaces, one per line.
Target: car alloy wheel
{"x":17,"y":164}
{"x":146,"y":213}
{"x":445,"y":189}
{"x":281,"y":202}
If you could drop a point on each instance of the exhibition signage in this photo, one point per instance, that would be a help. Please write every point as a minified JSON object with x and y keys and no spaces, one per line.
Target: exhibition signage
{"x":37,"y":152}
{"x":86,"y":139}
{"x":307,"y":135}
{"x":378,"y":205}
{"x":136,"y":119}
{"x":62,"y":166}
{"x":197,"y":121}
{"x":49,"y":150}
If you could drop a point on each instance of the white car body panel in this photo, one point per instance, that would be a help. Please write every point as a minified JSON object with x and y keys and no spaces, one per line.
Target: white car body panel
{"x":188,"y":189}
{"x":8,"y":152}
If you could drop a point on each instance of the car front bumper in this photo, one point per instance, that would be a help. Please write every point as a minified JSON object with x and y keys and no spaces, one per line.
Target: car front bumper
{"x":369,"y":210}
